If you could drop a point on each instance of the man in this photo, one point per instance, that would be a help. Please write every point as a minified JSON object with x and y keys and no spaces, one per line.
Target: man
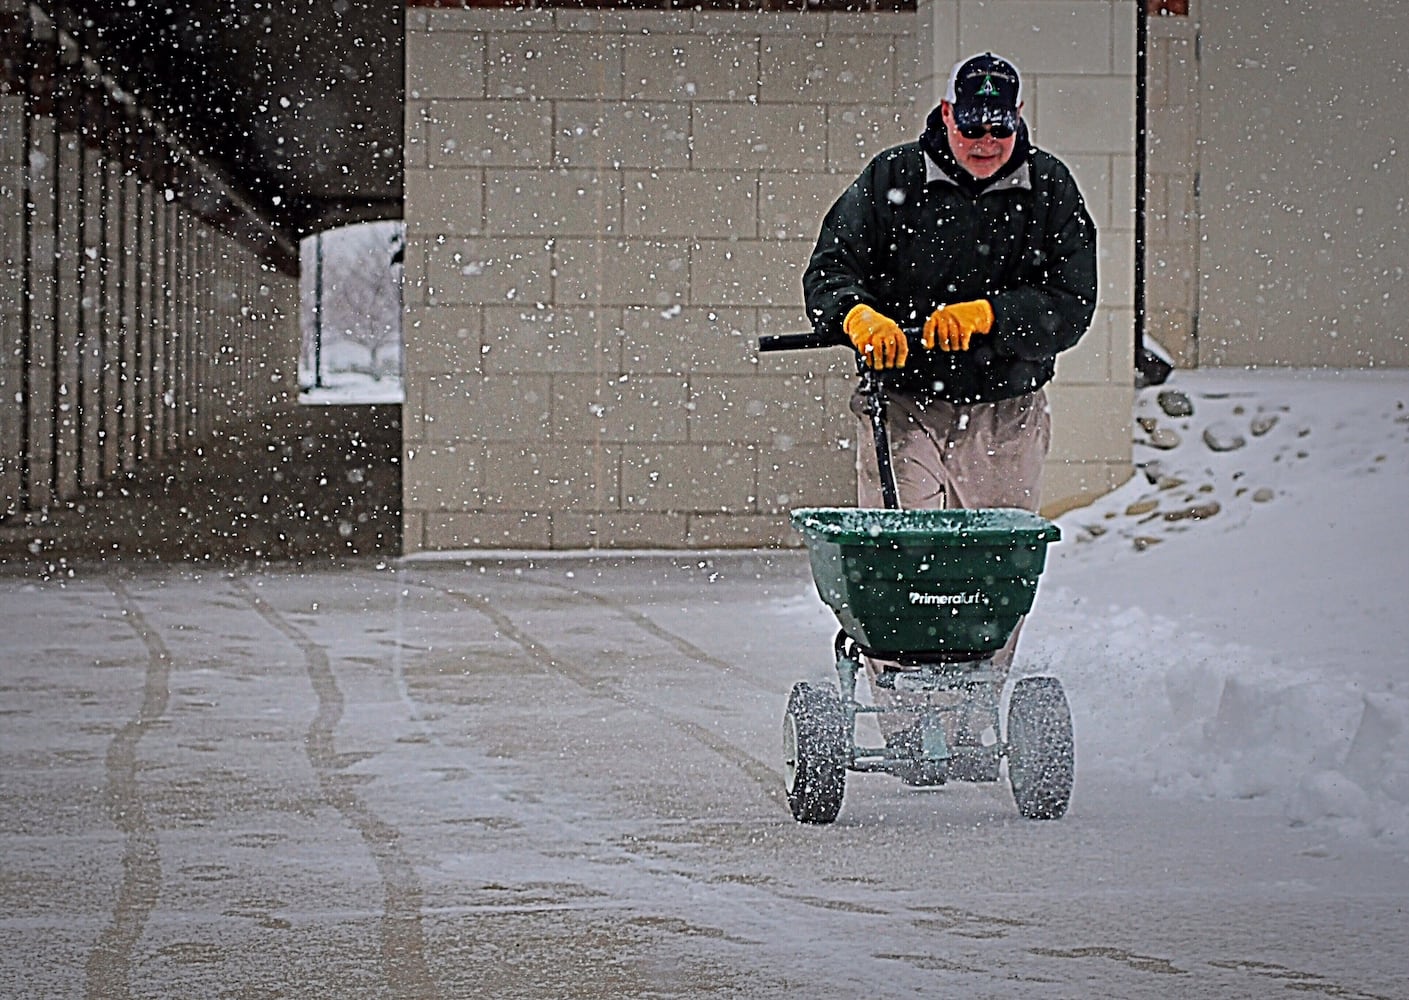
{"x":982,"y":243}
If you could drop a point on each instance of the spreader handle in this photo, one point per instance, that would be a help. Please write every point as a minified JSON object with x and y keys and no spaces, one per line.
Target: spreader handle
{"x":800,"y":341}
{"x":811,"y":339}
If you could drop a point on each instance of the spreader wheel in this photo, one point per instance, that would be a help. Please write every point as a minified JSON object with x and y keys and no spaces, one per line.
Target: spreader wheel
{"x":814,"y":753}
{"x":1041,"y":754}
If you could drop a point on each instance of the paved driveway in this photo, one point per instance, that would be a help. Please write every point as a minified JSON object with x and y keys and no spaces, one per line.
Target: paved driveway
{"x":562,"y":778}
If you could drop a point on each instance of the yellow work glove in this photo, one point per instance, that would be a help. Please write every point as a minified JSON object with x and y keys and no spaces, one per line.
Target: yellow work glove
{"x":952,"y":326}
{"x":878,"y":339}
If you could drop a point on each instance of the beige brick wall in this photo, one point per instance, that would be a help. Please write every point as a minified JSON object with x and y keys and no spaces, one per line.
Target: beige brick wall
{"x":605,"y":210}
{"x":1303,"y":131}
{"x":1171,"y":213}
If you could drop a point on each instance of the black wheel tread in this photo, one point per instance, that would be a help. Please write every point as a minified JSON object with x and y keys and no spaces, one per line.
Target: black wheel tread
{"x":1041,"y":749}
{"x":819,"y":781}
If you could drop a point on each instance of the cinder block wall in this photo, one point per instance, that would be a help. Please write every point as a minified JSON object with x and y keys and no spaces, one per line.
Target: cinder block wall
{"x":605,"y":210}
{"x":1304,"y":178}
{"x":1171,"y":215}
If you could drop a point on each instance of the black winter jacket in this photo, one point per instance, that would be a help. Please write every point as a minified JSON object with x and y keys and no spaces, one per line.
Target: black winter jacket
{"x":905,"y":239}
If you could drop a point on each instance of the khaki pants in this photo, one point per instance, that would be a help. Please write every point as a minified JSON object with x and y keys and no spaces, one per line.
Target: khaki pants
{"x":949,"y":456}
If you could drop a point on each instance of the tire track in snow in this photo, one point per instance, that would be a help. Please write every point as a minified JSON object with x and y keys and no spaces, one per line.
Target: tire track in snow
{"x":679,"y":642}
{"x":759,"y":772}
{"x":403,"y":938}
{"x":109,"y":965}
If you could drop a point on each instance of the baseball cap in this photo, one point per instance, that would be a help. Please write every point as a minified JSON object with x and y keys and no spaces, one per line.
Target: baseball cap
{"x":985,"y":90}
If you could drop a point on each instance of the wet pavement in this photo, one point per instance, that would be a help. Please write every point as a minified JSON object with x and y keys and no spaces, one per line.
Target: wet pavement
{"x":561,"y":777}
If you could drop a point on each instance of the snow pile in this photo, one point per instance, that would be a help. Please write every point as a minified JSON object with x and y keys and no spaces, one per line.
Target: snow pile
{"x":1229,"y":622}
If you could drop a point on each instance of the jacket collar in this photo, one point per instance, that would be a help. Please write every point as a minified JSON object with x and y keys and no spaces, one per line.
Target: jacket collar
{"x":941,"y":165}
{"x":1018,"y":180}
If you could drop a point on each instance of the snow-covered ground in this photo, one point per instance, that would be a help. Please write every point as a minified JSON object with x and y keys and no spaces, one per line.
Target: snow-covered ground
{"x":349,"y":387}
{"x":1231,"y":624}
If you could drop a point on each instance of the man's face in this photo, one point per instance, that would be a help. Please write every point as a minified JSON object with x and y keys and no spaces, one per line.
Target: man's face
{"x":982,"y":157}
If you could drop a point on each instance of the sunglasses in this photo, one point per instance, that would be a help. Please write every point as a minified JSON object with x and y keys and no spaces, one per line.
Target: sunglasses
{"x":979,"y":131}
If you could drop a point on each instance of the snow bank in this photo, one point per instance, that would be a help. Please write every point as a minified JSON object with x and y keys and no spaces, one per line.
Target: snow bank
{"x":1229,"y":623}
{"x":1257,"y":646}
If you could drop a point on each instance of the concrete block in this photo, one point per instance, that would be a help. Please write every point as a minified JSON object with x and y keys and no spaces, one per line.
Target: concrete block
{"x":1068,"y":485}
{"x":484,"y":529}
{"x":826,"y":68}
{"x":806,"y":476}
{"x":468,"y":407}
{"x":519,"y":340}
{"x":937,"y":37}
{"x":759,"y":531}
{"x":1064,"y":113}
{"x":897,"y":24}
{"x":444,"y":64}
{"x":778,"y":412}
{"x":818,"y":362}
{"x":635,"y":530}
{"x":521,"y":202}
{"x":488,"y":271}
{"x":749,"y":272}
{"x":1123,"y":24}
{"x":550,"y":476}
{"x":413,"y":531}
{"x":843,"y":426}
{"x":1173,"y":137}
{"x":1123,"y":191}
{"x":690,"y":340}
{"x":622,"y":272}
{"x":678,"y":203}
{"x":1173,"y":329}
{"x":1093,"y":177}
{"x":620,"y":134}
{"x":790,"y":319}
{"x":491,"y":20}
{"x":688,"y":477}
{"x":1089,"y":362}
{"x":1115,"y":264}
{"x":856,"y":133}
{"x":758,"y":137}
{"x":1041,"y":36}
{"x":758,"y":23}
{"x":1170,"y":273}
{"x":415,"y":283}
{"x":554,"y":66}
{"x":661,"y":66}
{"x":791,"y":205}
{"x":640,"y":408}
{"x":442,"y":339}
{"x":632,"y":23}
{"x":445,"y":200}
{"x":444,"y":476}
{"x":1091,"y":423}
{"x":487,"y":133}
